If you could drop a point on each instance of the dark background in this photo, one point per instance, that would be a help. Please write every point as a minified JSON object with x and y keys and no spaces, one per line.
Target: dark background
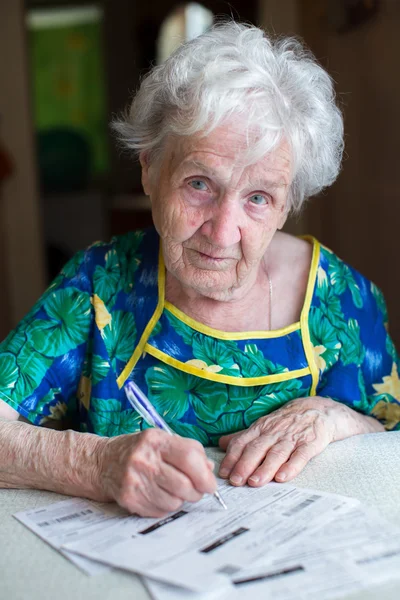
{"x":356,"y":40}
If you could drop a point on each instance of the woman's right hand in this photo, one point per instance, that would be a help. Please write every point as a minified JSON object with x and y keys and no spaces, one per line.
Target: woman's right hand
{"x":152,"y":473}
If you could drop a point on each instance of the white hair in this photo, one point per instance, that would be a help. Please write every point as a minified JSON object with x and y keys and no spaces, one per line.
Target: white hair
{"x":234,"y":70}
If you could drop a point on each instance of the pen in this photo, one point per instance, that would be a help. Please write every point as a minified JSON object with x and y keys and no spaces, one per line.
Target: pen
{"x":144,"y":407}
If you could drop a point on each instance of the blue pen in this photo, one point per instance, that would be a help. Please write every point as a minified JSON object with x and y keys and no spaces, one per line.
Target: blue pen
{"x":146,"y":410}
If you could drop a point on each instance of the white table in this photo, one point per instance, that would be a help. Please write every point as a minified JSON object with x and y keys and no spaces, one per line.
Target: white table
{"x":366,"y":467}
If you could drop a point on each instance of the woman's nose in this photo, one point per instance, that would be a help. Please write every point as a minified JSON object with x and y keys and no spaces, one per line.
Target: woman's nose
{"x":222,"y":228}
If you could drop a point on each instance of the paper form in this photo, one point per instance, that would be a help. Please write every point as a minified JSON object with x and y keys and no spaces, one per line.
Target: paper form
{"x":70,"y":520}
{"x":357,"y":550}
{"x":201,"y":546}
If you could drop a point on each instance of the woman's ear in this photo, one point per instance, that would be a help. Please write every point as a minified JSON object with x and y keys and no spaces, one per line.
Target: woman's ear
{"x":144,"y":163}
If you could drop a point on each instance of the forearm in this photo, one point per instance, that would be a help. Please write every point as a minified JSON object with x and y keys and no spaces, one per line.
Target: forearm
{"x":60,"y":461}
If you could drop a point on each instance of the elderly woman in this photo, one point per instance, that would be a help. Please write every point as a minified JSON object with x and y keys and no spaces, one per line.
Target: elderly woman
{"x":239,"y":334}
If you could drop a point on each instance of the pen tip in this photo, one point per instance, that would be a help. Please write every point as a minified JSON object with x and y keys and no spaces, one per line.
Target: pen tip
{"x":220,"y":500}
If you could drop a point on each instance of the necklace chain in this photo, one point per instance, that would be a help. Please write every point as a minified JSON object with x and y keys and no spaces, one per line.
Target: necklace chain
{"x":270,"y":302}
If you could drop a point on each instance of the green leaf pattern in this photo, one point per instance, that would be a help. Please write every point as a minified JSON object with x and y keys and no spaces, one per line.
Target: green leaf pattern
{"x":341,"y":278}
{"x":48,"y":409}
{"x":9,"y":371}
{"x":324,"y":338}
{"x":174,"y":391}
{"x":120,"y":337}
{"x":273,"y":396}
{"x":100,"y":368}
{"x":332,"y":335}
{"x":362,"y":405}
{"x":215,"y":352}
{"x":352,"y":349}
{"x":109,"y":419}
{"x":67,"y":327}
{"x":194,"y":406}
{"x":330,"y":301}
{"x":380,"y":301}
{"x":190,"y":431}
{"x":185,"y":332}
{"x":71,"y":268}
{"x":129,"y":257}
{"x":219,"y":408}
{"x":105,"y":279}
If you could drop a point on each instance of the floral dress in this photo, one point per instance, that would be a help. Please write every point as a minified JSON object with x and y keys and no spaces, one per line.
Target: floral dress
{"x":105,"y":321}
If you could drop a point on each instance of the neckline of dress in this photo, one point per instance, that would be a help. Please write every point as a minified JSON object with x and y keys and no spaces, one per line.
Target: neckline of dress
{"x":258,"y":334}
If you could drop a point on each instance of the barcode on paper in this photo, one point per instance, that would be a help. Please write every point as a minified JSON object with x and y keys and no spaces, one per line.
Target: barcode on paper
{"x":378,"y":557}
{"x":76,"y":515}
{"x":302,"y":505}
{"x":228,"y":570}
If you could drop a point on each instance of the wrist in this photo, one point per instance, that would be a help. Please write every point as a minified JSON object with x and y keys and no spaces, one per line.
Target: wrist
{"x":347,"y":421}
{"x":100,"y":474}
{"x":352,"y":423}
{"x":84,"y":452}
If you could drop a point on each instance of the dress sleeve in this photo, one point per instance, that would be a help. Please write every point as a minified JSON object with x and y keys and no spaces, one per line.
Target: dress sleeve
{"x":41,"y":360}
{"x":380,"y":368}
{"x":357,"y":360}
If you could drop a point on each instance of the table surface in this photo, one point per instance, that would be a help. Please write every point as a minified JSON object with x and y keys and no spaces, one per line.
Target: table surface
{"x":365,"y":467}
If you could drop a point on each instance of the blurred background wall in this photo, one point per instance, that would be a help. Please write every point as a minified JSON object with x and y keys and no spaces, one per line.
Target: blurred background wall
{"x":21,"y":242}
{"x":67,"y":67}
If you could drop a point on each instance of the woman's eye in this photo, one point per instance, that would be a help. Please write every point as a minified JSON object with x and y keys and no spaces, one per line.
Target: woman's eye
{"x":199,"y":185}
{"x":258,"y":199}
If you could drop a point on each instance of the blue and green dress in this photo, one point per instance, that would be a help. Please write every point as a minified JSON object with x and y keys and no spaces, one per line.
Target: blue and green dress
{"x":105,"y":321}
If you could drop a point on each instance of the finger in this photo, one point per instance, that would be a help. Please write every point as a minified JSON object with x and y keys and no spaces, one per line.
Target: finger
{"x":177,"y":484}
{"x":235,"y":450}
{"x":146,"y":511}
{"x":276,"y":456}
{"x":252,"y":456}
{"x":147,"y":499}
{"x":189,"y":457}
{"x":225,"y":439}
{"x":157,"y":498}
{"x":298,"y":460}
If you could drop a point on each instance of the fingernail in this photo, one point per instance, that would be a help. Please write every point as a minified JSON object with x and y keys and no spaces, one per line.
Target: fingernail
{"x":254,"y":478}
{"x":282,"y":476}
{"x":236,"y":479}
{"x":224,"y":473}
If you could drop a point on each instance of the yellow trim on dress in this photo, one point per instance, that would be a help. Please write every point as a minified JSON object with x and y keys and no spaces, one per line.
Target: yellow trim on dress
{"x":239,"y":381}
{"x":305,"y":331}
{"x":150,"y":325}
{"x":229,"y":335}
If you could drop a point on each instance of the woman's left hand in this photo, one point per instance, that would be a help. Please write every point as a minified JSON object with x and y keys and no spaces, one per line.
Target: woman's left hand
{"x":280,"y":444}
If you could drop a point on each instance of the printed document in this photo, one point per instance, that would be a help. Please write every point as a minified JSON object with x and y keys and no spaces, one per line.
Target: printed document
{"x":352,"y":553}
{"x":69,"y":520}
{"x":201,"y":545}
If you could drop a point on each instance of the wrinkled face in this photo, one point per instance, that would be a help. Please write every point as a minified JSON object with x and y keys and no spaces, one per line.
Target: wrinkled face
{"x":215,"y":216}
